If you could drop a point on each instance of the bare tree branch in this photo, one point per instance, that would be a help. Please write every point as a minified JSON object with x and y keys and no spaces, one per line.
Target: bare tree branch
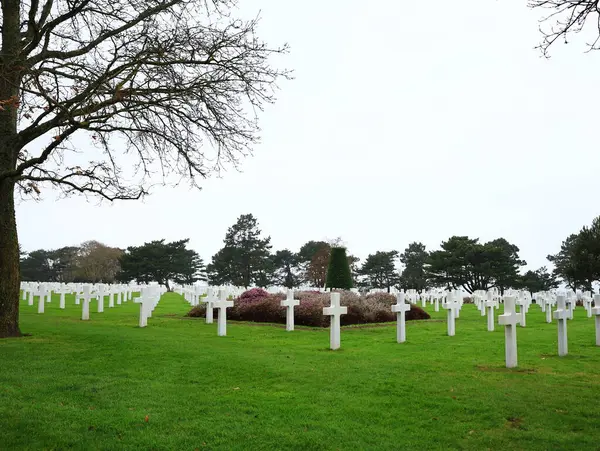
{"x":167,"y":87}
{"x":567,"y":17}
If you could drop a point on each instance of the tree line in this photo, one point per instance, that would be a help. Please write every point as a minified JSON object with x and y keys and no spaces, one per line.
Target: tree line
{"x":577,"y":263}
{"x":247,"y":259}
{"x":93,"y":262}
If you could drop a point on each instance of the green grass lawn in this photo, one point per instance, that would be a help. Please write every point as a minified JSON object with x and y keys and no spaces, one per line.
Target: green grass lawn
{"x":175,"y":385}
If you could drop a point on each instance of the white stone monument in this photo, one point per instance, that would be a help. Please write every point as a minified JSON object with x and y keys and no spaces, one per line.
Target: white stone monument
{"x":289,"y":303}
{"x":489,"y":305}
{"x":210,"y":300}
{"x":335,"y":310}
{"x":509,"y":320}
{"x":101,"y":292}
{"x":596,"y":313}
{"x":400,"y":308}
{"x":63,"y":290}
{"x":451,"y":306}
{"x":548,"y":306}
{"x":143,"y":301}
{"x":85,"y":305}
{"x":42,"y":291}
{"x":222,"y":305}
{"x":561,"y":314}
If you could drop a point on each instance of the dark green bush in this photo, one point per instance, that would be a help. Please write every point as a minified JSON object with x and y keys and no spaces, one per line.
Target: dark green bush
{"x":338,"y":271}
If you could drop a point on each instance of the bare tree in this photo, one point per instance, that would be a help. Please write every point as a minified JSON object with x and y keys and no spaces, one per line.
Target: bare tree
{"x":98,"y":262}
{"x":567,"y":18}
{"x":99,"y":96}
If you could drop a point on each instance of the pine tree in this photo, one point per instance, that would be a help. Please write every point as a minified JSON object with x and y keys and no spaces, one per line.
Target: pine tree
{"x":245,"y":257}
{"x":338,"y":271}
{"x":161,"y":262}
{"x":379,"y":270}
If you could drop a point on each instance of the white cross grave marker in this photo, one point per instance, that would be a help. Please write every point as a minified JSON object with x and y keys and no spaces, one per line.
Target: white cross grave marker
{"x":400,"y":308}
{"x":289,"y":304}
{"x":31,"y":292}
{"x":210,"y":300}
{"x":562,"y":314}
{"x":111,"y":299}
{"x":63,"y":291}
{"x":85,"y":305}
{"x":596,"y":313}
{"x":100,"y":295}
{"x":509,"y":320}
{"x":222,"y":305}
{"x":451,"y":305}
{"x":335,"y":310}
{"x":489,"y":306}
{"x":548,"y":306}
{"x":143,"y":301}
{"x":42,"y":291}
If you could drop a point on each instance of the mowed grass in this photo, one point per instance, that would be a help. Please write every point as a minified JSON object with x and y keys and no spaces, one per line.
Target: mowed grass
{"x":176,"y":385}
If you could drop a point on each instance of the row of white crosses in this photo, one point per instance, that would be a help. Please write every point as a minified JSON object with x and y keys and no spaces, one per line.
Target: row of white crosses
{"x":452,"y":304}
{"x":44,"y":290}
{"x":221,"y":303}
{"x":562,"y":314}
{"x":85,"y":293}
{"x":148,"y":300}
{"x":335,"y":310}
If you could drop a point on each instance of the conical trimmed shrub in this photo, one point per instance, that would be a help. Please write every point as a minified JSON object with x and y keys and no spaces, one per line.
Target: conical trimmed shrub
{"x":338,"y":271}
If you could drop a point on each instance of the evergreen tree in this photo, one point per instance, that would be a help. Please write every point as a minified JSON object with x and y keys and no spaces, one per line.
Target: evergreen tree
{"x":161,"y":262}
{"x":538,"y":280}
{"x":379,"y":270}
{"x":413,"y":275}
{"x":338,"y":270}
{"x":36,"y":266}
{"x":286,"y":268}
{"x":313,"y":259}
{"x":245,"y":258}
{"x":578,"y":261}
{"x":464,"y":262}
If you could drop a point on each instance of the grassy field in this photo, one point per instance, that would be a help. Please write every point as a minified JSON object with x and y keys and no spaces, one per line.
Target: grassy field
{"x":106,"y":384}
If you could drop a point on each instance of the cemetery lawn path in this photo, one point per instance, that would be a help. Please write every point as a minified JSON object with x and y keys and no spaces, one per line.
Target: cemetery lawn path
{"x":108,"y":385}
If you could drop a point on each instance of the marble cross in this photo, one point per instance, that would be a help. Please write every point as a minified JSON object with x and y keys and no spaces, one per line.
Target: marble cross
{"x":32,"y":290}
{"x":63,"y":290}
{"x":509,"y":320}
{"x":222,"y":305}
{"x":42,"y":292}
{"x":570,"y":302}
{"x":489,"y":306}
{"x":548,"y":306}
{"x":561,"y":314}
{"x":210,"y":300}
{"x":451,"y":306}
{"x":400,"y":308}
{"x":111,"y":299}
{"x":85,"y":305}
{"x":289,"y":303}
{"x":143,"y":301}
{"x":335,"y":310}
{"x":587,"y":303}
{"x":596,"y":313}
{"x":101,"y":292}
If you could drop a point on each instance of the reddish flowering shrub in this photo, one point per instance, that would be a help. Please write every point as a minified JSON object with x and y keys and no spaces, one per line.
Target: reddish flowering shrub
{"x":197,"y":312}
{"x":253,"y":294}
{"x":361,"y":310}
{"x":383,"y":298}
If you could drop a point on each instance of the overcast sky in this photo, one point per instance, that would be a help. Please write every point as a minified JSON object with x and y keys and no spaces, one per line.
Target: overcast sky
{"x":406,"y":121}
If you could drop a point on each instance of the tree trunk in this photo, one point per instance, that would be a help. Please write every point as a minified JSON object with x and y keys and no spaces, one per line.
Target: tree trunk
{"x":9,"y":263}
{"x":10,"y":81}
